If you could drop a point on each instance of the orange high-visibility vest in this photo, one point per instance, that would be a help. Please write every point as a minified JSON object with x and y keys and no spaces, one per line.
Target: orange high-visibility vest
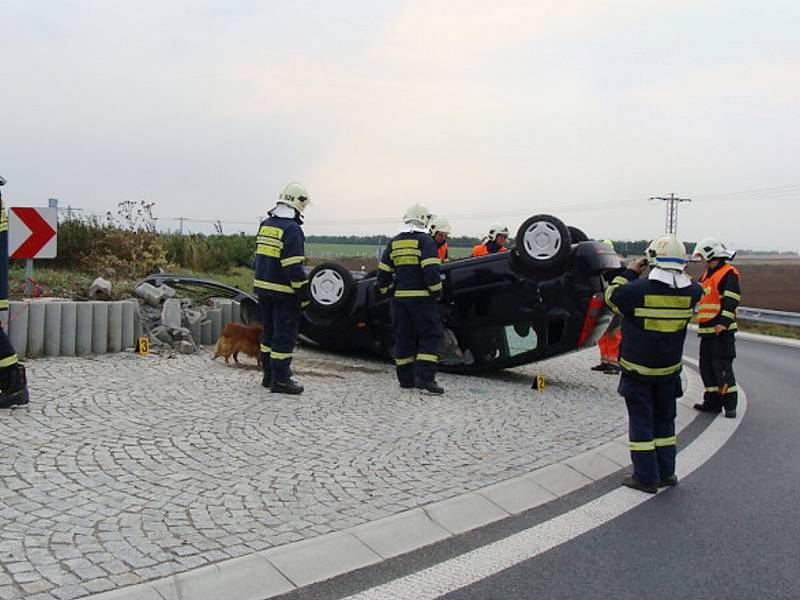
{"x":482,"y":250}
{"x":443,"y":252}
{"x":710,"y":304}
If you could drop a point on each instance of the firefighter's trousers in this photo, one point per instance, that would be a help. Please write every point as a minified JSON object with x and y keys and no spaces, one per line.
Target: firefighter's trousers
{"x":716,"y":368}
{"x":417,"y":332}
{"x":651,"y":425}
{"x":280,"y":319}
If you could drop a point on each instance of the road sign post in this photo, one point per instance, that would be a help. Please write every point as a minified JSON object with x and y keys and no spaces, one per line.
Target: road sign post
{"x":32,"y":234}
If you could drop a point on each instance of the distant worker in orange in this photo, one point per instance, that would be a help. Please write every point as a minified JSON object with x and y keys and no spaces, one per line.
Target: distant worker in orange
{"x":611,"y":339}
{"x":494,"y":241}
{"x":440,"y":231}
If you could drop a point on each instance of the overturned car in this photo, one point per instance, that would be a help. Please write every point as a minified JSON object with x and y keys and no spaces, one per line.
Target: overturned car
{"x":541,"y":299}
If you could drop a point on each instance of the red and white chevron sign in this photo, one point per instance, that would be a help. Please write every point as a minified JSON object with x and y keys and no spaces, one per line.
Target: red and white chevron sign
{"x":32,"y":232}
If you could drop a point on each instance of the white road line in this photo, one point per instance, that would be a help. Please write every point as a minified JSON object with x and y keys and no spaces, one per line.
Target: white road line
{"x":488,"y":560}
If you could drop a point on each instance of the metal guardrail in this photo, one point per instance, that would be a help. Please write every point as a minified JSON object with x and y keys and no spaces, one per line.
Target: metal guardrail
{"x":763,"y":315}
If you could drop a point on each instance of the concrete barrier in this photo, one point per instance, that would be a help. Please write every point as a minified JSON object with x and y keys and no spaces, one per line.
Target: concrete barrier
{"x":83,"y":328}
{"x":69,"y":315}
{"x":35,"y":328}
{"x":52,"y":328}
{"x":67,"y":328}
{"x":18,"y":326}
{"x":99,"y":327}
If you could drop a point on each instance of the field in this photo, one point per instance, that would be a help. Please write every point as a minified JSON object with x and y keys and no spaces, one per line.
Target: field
{"x":767,"y":283}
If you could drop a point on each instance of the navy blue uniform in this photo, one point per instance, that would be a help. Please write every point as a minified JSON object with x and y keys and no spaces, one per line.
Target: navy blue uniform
{"x":409,"y":271}
{"x":281,"y":284}
{"x":654,"y":319}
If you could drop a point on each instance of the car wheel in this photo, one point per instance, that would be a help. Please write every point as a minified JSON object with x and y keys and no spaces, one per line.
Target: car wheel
{"x":330,"y":287}
{"x":543,"y":242}
{"x":577,"y":235}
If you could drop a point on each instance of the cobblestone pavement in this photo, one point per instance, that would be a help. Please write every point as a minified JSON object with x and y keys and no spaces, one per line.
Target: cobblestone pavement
{"x":127,"y":468}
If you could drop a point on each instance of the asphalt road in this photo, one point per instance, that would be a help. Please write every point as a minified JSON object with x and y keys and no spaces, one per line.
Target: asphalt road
{"x":729,"y":531}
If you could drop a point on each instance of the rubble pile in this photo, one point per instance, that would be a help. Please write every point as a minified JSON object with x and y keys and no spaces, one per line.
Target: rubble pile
{"x":178,"y":323}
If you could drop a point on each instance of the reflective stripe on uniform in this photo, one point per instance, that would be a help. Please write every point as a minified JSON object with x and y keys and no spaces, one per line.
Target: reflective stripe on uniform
{"x":385,"y":267}
{"x":731,"y":389}
{"x":273,"y":287}
{"x":731,"y":294}
{"x":397,"y":244}
{"x":404,"y":361}
{"x":712,"y":388}
{"x":435,"y":287}
{"x":4,"y":305}
{"x":428,"y":357}
{"x":266,"y":250}
{"x":654,"y":371}
{"x":8,"y":361}
{"x":265,"y":349}
{"x":385,"y":289}
{"x":269,"y":231}
{"x":610,"y":304}
{"x":665,"y":325}
{"x":729,"y":314}
{"x":292,"y":260}
{"x":299,"y":284}
{"x":663,"y":313}
{"x":279,"y":355}
{"x":619,"y":280}
{"x":411,"y":293}
{"x":430,"y":261}
{"x":641,"y":446}
{"x":660,"y":301}
{"x":665,"y":441}
{"x":705,"y":330}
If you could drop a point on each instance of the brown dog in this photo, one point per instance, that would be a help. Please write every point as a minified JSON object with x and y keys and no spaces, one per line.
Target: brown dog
{"x":237,"y":338}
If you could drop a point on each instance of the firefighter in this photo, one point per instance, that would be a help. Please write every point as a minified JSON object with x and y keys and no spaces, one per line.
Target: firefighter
{"x":409,"y":271}
{"x":494,"y":241}
{"x":440,"y":231}
{"x":282,"y":286}
{"x":655,"y":312}
{"x":611,"y":339}
{"x":13,"y":382}
{"x":717,"y":326}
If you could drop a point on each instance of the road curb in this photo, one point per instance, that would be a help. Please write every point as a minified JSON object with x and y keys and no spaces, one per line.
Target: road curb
{"x":286,"y":568}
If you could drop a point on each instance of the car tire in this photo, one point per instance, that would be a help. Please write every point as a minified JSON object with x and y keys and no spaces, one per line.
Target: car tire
{"x":577,"y":235}
{"x":543,"y":242}
{"x":330,"y":287}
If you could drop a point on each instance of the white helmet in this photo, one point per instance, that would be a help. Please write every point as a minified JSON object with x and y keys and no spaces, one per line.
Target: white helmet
{"x":495,"y":230}
{"x":417,"y":212}
{"x":667,"y":252}
{"x":709,"y":249}
{"x":294,"y":195}
{"x":440,"y":224}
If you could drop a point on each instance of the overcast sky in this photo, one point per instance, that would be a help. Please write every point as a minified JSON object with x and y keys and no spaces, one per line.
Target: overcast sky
{"x":482,"y":110}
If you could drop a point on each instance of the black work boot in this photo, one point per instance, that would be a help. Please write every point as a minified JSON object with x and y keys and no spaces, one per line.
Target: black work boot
{"x":635,"y":484}
{"x":430,"y":386}
{"x":286,"y":387}
{"x":705,"y":408}
{"x":16,"y":394}
{"x":266,"y":380}
{"x":670,"y":481}
{"x":407,"y":385}
{"x":730,"y":413}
